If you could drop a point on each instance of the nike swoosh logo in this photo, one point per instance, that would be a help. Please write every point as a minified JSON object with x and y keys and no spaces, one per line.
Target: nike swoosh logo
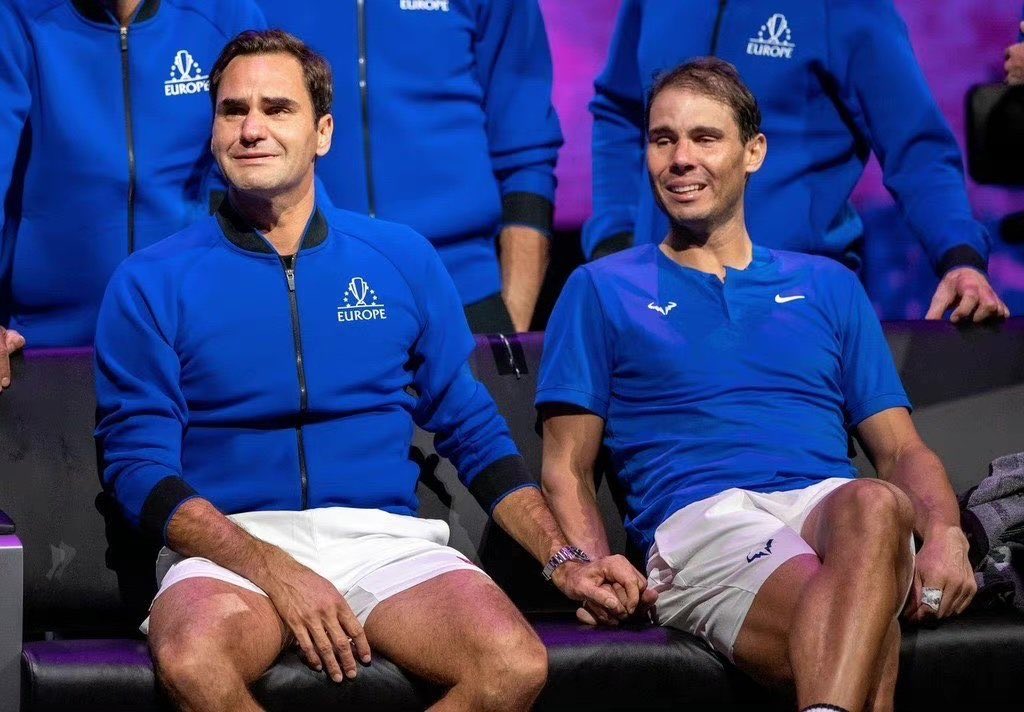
{"x":779,"y":299}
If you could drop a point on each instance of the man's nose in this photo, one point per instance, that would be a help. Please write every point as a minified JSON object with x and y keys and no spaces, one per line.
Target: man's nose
{"x":682,"y":157}
{"x":253,"y":127}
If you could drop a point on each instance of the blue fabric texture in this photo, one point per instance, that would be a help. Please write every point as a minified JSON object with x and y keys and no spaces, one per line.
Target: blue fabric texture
{"x":703,"y":385}
{"x":835,"y":80}
{"x":458,"y":119}
{"x":64,"y":167}
{"x":197,"y":375}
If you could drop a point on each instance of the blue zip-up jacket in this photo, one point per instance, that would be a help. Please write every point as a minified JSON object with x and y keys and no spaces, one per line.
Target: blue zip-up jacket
{"x":104,"y":146}
{"x":835,"y":79}
{"x":443,"y":119}
{"x":258,"y":383}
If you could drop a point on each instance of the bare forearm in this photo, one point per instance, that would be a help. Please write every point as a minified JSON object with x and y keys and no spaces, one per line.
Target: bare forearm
{"x":199,"y":529}
{"x":575,"y":507}
{"x":524,"y":262}
{"x":526,"y":517}
{"x":920,"y":474}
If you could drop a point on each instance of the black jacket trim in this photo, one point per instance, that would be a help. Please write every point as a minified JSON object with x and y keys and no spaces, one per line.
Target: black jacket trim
{"x":161,"y":503}
{"x":500,"y":478}
{"x":613,"y":244}
{"x":527,"y":209}
{"x":243,"y":235}
{"x":94,"y":11}
{"x":961,"y":256}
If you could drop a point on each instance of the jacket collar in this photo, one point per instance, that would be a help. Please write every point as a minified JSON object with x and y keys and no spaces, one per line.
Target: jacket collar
{"x":243,"y":235}
{"x":94,"y":11}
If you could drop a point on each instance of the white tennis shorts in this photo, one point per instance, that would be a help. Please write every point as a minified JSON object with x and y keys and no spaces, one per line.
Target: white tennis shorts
{"x":368,"y":554}
{"x":711,"y":557}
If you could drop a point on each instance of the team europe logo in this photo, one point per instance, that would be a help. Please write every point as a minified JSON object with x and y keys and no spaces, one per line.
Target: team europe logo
{"x":360,"y":303}
{"x":774,"y":39}
{"x":428,"y":5}
{"x":186,"y":76}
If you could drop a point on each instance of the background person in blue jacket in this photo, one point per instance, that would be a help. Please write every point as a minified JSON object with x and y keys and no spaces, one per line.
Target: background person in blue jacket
{"x":725,"y":379}
{"x":445,"y":124}
{"x":836,"y":79}
{"x":253,"y":386}
{"x":104,"y":145}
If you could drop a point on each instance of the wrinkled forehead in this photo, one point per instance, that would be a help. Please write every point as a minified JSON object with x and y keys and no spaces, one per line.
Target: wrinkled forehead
{"x":683,"y":108}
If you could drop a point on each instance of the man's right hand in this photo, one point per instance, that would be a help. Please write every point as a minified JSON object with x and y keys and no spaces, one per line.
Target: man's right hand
{"x":609,"y":589}
{"x":10,"y":341}
{"x":327,"y":632}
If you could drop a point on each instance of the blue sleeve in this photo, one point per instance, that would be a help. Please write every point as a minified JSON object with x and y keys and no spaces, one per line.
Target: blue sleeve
{"x":15,"y":68}
{"x":140,"y":409}
{"x":921,"y":163}
{"x":617,"y":141}
{"x":577,"y":365}
{"x":452,"y":404}
{"x":514,"y":65}
{"x":869,"y":380}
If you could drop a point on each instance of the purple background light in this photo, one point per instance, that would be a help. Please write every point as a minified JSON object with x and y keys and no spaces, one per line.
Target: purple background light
{"x":958,"y":42}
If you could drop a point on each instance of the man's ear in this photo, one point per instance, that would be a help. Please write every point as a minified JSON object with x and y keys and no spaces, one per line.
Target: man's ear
{"x":324,"y":134}
{"x":755,"y":152}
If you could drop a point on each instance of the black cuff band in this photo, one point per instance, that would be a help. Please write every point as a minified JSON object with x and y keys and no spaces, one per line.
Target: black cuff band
{"x":527,"y":209}
{"x":498,"y":479}
{"x":961,"y":256}
{"x":613,"y":244}
{"x":161,"y":503}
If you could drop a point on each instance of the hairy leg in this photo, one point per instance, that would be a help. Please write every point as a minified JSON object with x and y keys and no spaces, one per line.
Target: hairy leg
{"x":210,"y":640}
{"x":460,"y":630}
{"x":830,"y":619}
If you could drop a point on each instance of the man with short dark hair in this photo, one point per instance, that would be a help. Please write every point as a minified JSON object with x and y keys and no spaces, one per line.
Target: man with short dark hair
{"x":837,"y":80}
{"x":724,"y":377}
{"x":254,"y":385}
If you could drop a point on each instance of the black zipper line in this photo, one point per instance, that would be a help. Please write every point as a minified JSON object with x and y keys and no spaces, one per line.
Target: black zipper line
{"x":300,"y":367}
{"x":364,"y":100}
{"x":718,"y":26}
{"x":126,"y":86}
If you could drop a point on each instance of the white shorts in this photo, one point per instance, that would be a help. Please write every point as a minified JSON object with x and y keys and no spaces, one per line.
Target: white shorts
{"x":711,"y":557}
{"x":368,"y":554}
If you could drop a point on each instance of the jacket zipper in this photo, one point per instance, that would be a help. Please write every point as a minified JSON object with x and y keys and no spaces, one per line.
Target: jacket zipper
{"x":289,"y":273}
{"x":364,"y":100}
{"x":718,"y":26}
{"x":126,"y":85}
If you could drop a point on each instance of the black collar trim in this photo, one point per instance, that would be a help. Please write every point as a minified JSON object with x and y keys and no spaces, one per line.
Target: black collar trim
{"x":94,"y":11}
{"x":243,"y":235}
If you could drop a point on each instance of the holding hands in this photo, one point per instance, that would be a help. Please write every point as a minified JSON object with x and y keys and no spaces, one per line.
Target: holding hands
{"x":609,"y":590}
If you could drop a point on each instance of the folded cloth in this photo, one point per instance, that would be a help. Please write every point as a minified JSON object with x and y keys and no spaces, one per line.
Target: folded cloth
{"x":993,"y":512}
{"x":1000,"y":578}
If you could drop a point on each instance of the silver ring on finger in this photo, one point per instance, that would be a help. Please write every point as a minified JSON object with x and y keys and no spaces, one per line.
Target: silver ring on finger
{"x":931,"y":597}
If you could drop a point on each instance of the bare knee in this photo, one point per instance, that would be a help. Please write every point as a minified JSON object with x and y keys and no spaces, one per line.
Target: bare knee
{"x":876,"y":510}
{"x":188,"y":659}
{"x":512,"y":670}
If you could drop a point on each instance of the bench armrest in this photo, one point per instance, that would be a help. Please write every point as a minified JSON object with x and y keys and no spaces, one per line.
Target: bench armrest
{"x":11,"y":611}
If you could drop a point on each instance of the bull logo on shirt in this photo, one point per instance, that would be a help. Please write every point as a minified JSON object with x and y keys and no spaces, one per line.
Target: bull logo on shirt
{"x":760,"y":552}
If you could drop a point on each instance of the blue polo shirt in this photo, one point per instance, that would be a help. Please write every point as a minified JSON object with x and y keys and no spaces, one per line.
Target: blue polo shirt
{"x":705,"y":385}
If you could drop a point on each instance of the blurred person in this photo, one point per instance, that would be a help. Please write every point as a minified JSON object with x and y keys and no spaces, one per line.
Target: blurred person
{"x":724,"y":377}
{"x":445,"y":124}
{"x":255,"y":378}
{"x":104,"y":147}
{"x":837,"y":80}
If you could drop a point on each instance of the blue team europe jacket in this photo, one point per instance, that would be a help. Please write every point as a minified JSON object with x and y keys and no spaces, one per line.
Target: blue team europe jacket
{"x":104,"y":146}
{"x":835,"y":79}
{"x":269,"y":383}
{"x":443,"y":119}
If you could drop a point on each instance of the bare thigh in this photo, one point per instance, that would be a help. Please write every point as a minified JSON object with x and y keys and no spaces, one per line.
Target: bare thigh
{"x":446,"y":626}
{"x":217,"y":620}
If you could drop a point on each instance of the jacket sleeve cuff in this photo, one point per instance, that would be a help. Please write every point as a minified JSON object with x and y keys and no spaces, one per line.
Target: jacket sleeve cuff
{"x":500,"y":478}
{"x":961,"y":256}
{"x":161,"y":504}
{"x":613,"y":244}
{"x":527,"y":209}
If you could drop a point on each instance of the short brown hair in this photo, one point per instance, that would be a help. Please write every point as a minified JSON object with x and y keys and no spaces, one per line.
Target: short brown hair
{"x":316,"y":71}
{"x":716,"y":79}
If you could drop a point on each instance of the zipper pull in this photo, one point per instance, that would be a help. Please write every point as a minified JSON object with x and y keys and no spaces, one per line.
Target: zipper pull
{"x":290,"y":276}
{"x":124,"y":38}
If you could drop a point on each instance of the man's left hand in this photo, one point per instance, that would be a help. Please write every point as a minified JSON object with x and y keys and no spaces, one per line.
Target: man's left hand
{"x":609,"y":589}
{"x":942,"y":564}
{"x":969,"y":292}
{"x":1015,"y":62}
{"x":10,"y":341}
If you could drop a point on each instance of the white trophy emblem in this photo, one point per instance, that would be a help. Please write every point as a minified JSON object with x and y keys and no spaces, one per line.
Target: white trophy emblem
{"x":358,"y":288}
{"x":183,"y":62}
